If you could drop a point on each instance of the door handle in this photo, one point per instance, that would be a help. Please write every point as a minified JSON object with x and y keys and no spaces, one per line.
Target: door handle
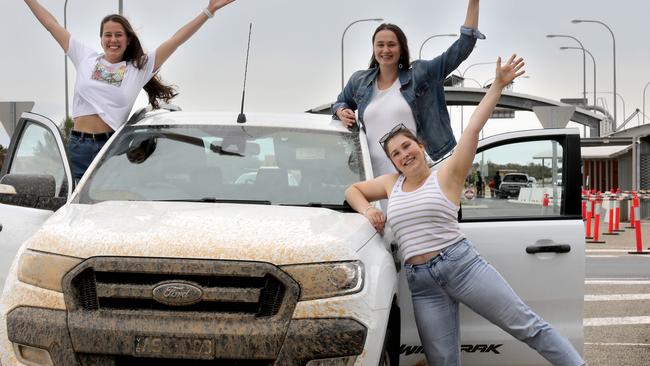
{"x":559,"y":248}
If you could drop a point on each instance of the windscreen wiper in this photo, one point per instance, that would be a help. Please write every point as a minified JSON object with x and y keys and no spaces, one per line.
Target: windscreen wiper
{"x":220,"y":200}
{"x":344,"y":207}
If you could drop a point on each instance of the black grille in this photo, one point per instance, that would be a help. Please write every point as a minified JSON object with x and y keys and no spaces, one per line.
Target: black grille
{"x":85,"y":285}
{"x":236,"y":290}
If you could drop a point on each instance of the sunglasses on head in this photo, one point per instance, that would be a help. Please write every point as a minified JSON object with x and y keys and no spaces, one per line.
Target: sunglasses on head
{"x":392,"y":133}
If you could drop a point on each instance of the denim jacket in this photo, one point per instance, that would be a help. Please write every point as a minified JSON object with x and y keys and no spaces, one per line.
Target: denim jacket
{"x":422,"y":88}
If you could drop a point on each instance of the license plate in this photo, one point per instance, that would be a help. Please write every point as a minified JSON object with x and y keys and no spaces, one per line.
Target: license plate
{"x":202,"y":348}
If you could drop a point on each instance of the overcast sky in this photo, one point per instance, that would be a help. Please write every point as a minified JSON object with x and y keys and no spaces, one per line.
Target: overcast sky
{"x":295,"y":61}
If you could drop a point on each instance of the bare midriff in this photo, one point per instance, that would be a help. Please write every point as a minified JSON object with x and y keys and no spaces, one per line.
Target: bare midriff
{"x":423,"y":258}
{"x":91,"y":124}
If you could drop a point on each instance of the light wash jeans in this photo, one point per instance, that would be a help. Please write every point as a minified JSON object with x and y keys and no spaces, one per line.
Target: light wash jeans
{"x":460,"y":274}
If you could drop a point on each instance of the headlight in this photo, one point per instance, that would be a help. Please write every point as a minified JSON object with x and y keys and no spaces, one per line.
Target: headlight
{"x":321,"y":280}
{"x":45,"y":270}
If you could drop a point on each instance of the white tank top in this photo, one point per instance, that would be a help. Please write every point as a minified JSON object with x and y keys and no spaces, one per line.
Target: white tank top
{"x":423,"y":220}
{"x":386,"y":109}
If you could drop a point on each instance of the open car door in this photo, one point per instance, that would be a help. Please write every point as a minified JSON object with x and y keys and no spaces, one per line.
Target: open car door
{"x":535,"y":240}
{"x":35,"y":181}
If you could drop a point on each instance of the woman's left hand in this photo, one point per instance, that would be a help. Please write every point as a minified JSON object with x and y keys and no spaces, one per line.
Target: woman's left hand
{"x":508,"y":72}
{"x":215,"y":5}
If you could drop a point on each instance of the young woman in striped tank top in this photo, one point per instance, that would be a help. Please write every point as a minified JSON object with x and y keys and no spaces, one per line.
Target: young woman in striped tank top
{"x":442,"y":267}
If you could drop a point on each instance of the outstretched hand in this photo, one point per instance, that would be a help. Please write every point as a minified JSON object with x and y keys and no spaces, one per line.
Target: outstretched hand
{"x":509,"y":71}
{"x":215,"y":5}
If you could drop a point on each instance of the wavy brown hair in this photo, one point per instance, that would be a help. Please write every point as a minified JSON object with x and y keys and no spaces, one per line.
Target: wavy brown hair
{"x":404,"y":56}
{"x":155,"y":88}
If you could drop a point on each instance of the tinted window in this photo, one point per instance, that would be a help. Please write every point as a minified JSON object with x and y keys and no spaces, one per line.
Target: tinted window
{"x":283,"y":166}
{"x":516,"y":178}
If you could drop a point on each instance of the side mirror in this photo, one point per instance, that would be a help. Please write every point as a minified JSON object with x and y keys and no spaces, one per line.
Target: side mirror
{"x":29,"y":190}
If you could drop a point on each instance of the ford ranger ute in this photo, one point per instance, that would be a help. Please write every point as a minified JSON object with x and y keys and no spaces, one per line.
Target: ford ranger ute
{"x":196,"y":240}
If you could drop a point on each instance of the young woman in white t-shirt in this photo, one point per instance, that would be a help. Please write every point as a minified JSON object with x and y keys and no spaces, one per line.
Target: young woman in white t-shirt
{"x":108,"y":83}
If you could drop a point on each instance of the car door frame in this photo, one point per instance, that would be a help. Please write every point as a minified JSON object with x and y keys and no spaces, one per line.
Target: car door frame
{"x":30,"y":117}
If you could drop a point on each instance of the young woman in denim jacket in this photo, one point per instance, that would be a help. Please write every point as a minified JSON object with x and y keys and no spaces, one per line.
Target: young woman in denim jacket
{"x":108,"y":83}
{"x":420,"y":83}
{"x":442,"y":267}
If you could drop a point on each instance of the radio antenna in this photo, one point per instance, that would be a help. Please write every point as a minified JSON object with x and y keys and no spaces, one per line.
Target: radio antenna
{"x":241,"y":118}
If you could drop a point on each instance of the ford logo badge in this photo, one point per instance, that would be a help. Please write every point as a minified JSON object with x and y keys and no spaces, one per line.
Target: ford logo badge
{"x":177,"y":293}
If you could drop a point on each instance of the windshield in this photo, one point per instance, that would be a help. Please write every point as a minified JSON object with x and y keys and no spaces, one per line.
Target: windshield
{"x":226,"y":163}
{"x":515,"y":178}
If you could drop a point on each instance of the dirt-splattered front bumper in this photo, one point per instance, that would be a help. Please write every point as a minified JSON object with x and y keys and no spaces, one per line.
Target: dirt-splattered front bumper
{"x":124,"y":340}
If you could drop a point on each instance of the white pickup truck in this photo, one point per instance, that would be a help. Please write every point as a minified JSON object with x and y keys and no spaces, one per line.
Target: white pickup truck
{"x":194,"y":239}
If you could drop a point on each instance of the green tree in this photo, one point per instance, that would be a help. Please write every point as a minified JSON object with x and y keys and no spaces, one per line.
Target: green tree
{"x":66,"y":127}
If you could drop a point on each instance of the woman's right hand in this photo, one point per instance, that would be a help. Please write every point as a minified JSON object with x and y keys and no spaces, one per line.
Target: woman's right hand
{"x":376,"y":218}
{"x":347,"y":117}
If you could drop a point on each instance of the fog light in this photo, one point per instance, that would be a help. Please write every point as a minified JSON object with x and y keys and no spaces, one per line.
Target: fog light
{"x":339,"y":361}
{"x":33,"y":356}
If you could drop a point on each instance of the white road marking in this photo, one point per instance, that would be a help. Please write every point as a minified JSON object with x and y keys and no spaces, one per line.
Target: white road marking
{"x":603,"y":256}
{"x":618,"y":281}
{"x":618,"y":344}
{"x":617,"y":297}
{"x":628,"y":320}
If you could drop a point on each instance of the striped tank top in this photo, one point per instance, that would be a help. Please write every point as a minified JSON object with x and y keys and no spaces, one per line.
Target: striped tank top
{"x":423,"y":220}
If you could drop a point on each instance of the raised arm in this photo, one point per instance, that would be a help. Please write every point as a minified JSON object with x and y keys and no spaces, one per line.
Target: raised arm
{"x":454,"y":171}
{"x":169,"y":46}
{"x":445,"y":63}
{"x":471,"y":18}
{"x":60,"y":34}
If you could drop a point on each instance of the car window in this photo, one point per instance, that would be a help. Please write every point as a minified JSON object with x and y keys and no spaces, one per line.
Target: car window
{"x":280,"y":165}
{"x":37,"y":152}
{"x":520,"y":179}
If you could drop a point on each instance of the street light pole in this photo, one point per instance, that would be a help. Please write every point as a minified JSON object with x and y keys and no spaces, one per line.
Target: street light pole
{"x":644,"y":88}
{"x":462,"y":83}
{"x":584,"y":61}
{"x":120,"y":8}
{"x":617,"y":95}
{"x":342,"y":48}
{"x":592,"y":59}
{"x":65,"y":62}
{"x":434,"y":36}
{"x":575,"y":21}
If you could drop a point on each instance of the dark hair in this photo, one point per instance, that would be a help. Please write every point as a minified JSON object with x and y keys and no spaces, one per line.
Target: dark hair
{"x":401,"y":132}
{"x":404,"y":56}
{"x":134,"y":53}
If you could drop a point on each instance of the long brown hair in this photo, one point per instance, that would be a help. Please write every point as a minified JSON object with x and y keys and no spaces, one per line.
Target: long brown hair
{"x":155,"y":88}
{"x":404,"y":56}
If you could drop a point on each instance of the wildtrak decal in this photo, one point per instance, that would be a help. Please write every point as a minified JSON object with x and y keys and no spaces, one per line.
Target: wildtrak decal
{"x":469,"y":348}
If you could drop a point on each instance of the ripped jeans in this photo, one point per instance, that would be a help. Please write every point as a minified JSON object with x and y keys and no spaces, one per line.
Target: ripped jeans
{"x":460,"y":275}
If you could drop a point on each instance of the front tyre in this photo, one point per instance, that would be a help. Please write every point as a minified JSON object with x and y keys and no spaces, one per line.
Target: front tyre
{"x":389,"y":353}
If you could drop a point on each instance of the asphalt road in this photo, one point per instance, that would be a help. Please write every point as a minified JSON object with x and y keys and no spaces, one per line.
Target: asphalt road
{"x":617,"y":301}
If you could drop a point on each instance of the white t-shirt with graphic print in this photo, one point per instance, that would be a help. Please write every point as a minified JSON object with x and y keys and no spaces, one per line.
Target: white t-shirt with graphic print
{"x":106,"y":89}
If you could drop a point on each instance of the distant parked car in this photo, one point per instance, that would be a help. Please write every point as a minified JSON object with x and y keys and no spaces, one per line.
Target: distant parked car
{"x":512,"y":183}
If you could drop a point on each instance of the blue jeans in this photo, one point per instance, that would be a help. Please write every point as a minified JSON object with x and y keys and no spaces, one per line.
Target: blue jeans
{"x":460,"y":274}
{"x":82,"y":152}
